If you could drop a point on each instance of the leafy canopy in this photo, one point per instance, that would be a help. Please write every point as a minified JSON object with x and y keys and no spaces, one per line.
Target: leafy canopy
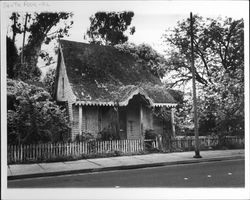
{"x":218,"y":48}
{"x":144,"y":53}
{"x":108,"y":28}
{"x":40,"y":28}
{"x":219,"y":71}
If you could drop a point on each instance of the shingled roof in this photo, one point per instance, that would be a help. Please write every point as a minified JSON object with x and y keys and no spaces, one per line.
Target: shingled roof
{"x":102,"y":74}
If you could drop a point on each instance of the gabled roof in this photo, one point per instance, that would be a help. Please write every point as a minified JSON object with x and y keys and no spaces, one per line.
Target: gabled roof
{"x":101,"y":75}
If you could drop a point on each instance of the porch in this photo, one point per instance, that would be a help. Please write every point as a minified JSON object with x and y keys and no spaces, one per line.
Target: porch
{"x":128,"y":120}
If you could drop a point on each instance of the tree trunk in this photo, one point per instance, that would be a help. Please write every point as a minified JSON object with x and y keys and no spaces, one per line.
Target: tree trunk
{"x":13,"y":29}
{"x":24,"y":33}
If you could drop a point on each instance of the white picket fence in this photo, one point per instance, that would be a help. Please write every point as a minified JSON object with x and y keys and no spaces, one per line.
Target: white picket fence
{"x":50,"y":151}
{"x":40,"y":152}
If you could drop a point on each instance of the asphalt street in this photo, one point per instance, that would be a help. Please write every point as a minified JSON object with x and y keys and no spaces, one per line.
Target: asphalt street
{"x":229,"y":173}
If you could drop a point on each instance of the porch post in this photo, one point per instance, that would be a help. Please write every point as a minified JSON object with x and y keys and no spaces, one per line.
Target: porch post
{"x":80,"y":119}
{"x":172,"y":121}
{"x":141,"y":124}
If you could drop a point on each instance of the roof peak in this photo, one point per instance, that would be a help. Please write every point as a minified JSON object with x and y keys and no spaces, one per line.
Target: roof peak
{"x":86,"y":44}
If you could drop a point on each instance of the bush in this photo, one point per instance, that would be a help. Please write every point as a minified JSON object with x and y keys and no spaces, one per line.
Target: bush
{"x":84,"y":137}
{"x":107,"y":134}
{"x":224,"y":144}
{"x":150,"y":134}
{"x":32,"y":117}
{"x":49,"y":80}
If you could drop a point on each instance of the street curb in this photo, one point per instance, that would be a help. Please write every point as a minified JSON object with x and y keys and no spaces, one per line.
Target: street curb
{"x":124,"y":167}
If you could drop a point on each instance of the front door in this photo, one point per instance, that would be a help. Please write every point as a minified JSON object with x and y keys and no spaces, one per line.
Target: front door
{"x":133,"y":122}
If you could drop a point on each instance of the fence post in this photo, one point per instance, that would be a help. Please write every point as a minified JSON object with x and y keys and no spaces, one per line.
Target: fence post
{"x":124,"y":146}
{"x":137,"y":145}
{"x":30,"y":151}
{"x":13,"y":150}
{"x":18,"y":152}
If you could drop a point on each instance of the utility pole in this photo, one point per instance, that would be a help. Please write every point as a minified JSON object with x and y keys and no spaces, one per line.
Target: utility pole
{"x":197,"y":150}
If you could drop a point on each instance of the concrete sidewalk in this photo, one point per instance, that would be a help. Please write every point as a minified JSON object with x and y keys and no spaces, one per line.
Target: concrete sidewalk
{"x":118,"y":163}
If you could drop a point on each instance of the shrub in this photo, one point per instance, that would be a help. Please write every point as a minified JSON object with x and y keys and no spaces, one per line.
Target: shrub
{"x":224,"y":144}
{"x":32,"y":117}
{"x":107,"y":134}
{"x":150,"y":134}
{"x":84,"y":137}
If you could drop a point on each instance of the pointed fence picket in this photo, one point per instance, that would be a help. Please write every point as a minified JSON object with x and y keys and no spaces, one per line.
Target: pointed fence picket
{"x":48,"y":151}
{"x":42,"y":152}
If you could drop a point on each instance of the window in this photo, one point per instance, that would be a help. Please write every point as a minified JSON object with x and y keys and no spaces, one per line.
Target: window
{"x":63,"y":87}
{"x":130,"y":126}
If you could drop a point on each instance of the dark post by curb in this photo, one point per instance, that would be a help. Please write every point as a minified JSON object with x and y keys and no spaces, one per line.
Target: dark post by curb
{"x":197,"y":150}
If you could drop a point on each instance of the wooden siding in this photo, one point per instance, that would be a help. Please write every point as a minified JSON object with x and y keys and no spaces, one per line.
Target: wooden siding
{"x":90,"y":123}
{"x":91,"y":120}
{"x":75,"y":121}
{"x":104,"y":116}
{"x":95,"y":119}
{"x":66,"y":94}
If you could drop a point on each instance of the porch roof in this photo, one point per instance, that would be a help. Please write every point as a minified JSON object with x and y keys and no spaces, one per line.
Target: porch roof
{"x":101,"y":75}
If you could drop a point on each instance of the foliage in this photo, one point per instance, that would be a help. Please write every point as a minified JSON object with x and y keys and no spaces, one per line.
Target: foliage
{"x":150,"y":134}
{"x":24,"y":71}
{"x":41,"y":28}
{"x":49,"y":80}
{"x":84,"y":137}
{"x":223,"y":104}
{"x":225,"y":143}
{"x":12,"y":57}
{"x":162,"y":113}
{"x":219,"y":71}
{"x":218,"y":46}
{"x":151,"y":59}
{"x":16,"y":26}
{"x":32,"y":117}
{"x":107,"y":134}
{"x":108,"y":28}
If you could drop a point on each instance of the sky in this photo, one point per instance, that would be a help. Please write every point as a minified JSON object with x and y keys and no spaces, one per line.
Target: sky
{"x":151,"y":18}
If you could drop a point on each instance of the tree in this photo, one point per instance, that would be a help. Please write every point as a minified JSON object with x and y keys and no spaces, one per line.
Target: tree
{"x":108,"y":28}
{"x":32,"y":117}
{"x":12,"y":57}
{"x":49,"y":80}
{"x":144,"y":53}
{"x":222,"y":104}
{"x":41,"y":28}
{"x":16,"y":27}
{"x":219,"y":63}
{"x":218,"y":44}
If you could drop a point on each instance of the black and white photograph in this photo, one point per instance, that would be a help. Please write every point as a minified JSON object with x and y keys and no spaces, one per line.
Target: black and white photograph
{"x":125,"y":99}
